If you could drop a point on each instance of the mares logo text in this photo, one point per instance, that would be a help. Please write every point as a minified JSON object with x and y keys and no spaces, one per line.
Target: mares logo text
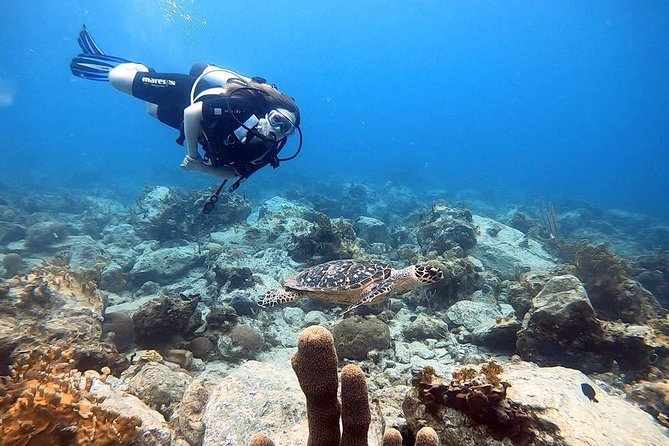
{"x":159,"y":82}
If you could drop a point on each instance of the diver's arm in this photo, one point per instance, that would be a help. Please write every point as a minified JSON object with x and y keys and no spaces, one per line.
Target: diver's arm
{"x":198,"y":166}
{"x":192,"y":127}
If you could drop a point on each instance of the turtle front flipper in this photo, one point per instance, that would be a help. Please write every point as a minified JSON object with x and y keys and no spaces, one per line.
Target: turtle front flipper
{"x":278,"y":296}
{"x":376,"y":294}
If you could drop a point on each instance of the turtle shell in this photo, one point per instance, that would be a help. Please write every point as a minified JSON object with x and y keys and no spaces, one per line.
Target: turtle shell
{"x":340,"y":276}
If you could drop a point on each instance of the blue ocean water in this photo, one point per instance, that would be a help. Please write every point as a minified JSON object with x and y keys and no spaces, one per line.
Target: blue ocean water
{"x":515,"y":99}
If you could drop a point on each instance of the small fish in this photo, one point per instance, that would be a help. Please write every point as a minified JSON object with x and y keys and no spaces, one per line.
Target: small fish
{"x":589,"y":392}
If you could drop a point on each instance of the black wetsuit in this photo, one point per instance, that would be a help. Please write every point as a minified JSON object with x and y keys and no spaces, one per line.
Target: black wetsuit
{"x":171,"y":93}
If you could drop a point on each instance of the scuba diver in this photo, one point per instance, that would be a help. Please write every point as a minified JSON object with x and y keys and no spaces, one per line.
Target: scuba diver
{"x":241,"y":123}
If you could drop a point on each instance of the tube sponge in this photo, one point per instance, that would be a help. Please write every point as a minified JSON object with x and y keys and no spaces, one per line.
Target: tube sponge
{"x":261,"y":440}
{"x":315,"y":365}
{"x":392,"y":437}
{"x":355,"y":413}
{"x":427,"y":437}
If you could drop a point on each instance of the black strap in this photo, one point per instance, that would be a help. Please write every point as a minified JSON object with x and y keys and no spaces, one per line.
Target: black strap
{"x":213,"y":199}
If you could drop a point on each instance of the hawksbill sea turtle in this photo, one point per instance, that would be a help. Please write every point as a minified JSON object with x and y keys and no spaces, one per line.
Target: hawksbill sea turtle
{"x":352,"y":282}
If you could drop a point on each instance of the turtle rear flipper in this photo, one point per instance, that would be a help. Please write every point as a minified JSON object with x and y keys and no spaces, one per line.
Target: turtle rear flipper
{"x":377,"y":293}
{"x":278,"y":296}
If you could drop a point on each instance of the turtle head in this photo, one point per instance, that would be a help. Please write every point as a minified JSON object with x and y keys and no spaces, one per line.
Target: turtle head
{"x":277,"y":296}
{"x":427,"y":273}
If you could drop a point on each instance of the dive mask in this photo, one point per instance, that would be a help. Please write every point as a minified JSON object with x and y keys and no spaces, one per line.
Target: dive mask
{"x":280,"y":120}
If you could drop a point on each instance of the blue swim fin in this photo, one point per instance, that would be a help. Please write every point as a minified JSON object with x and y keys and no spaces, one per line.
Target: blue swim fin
{"x":92,"y":63}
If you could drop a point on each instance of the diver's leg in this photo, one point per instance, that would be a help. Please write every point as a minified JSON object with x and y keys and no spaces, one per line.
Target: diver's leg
{"x":122,"y":76}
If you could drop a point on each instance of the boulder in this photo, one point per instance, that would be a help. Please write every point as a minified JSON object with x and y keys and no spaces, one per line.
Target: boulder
{"x":188,"y":414}
{"x":164,"y":265}
{"x":371,"y":229}
{"x":122,"y":235}
{"x":426,"y":327}
{"x":45,"y":234}
{"x":111,"y":278}
{"x":565,"y":416}
{"x":154,"y":430}
{"x":157,"y":385}
{"x":84,"y":257}
{"x":500,"y":335}
{"x":445,"y":228}
{"x":507,"y":251}
{"x":157,"y":321}
{"x":53,"y":306}
{"x":120,"y":327}
{"x":472,"y":314}
{"x":256,"y":398}
{"x":561,"y":328}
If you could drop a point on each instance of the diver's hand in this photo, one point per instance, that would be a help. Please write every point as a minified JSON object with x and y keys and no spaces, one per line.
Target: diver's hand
{"x":190,"y":163}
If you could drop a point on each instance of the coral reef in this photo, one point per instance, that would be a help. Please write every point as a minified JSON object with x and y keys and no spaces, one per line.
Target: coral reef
{"x":52,"y":304}
{"x":47,"y":401}
{"x":171,"y":266}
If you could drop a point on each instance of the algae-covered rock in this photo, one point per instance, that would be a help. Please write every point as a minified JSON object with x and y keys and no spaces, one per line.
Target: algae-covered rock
{"x":472,"y":314}
{"x":355,"y":337}
{"x":45,"y":234}
{"x":426,"y":327}
{"x":112,"y":278}
{"x":445,"y":228}
{"x":85,"y":256}
{"x":156,"y":322}
{"x":372,"y":230}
